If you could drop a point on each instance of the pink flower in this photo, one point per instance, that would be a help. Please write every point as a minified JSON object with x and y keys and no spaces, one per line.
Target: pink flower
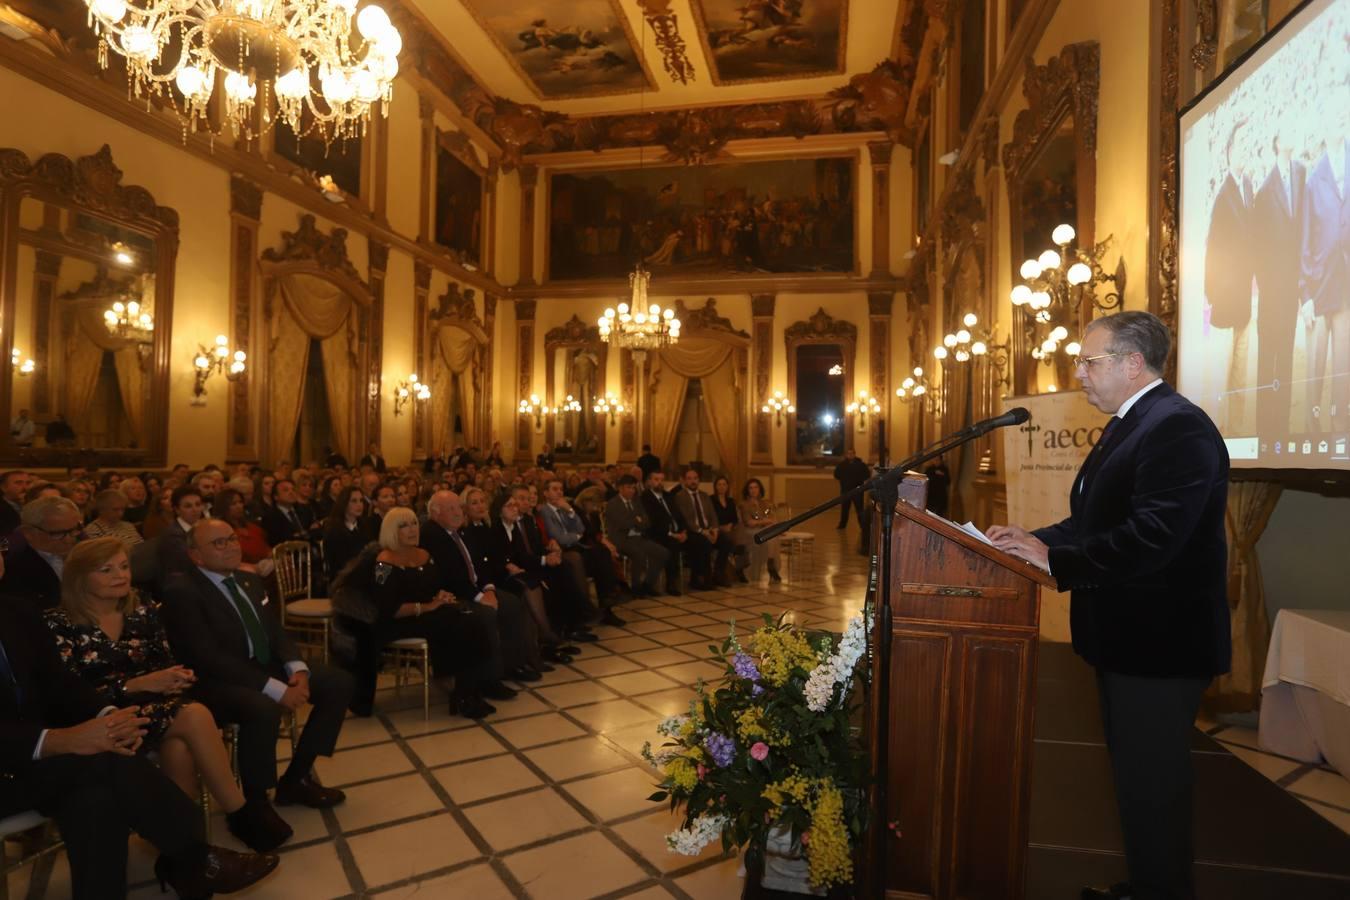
{"x":702,"y":771}
{"x":760,"y":751}
{"x":806,"y":838}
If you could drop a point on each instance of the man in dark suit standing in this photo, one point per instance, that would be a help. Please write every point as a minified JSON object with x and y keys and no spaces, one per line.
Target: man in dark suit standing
{"x":1144,"y":553}
{"x":373,"y":459}
{"x":73,"y":759}
{"x":1326,"y":270}
{"x":648,"y":462}
{"x":221,"y":625}
{"x":1277,"y":216}
{"x":626,"y":523}
{"x":851,"y":472}
{"x":51,"y":526}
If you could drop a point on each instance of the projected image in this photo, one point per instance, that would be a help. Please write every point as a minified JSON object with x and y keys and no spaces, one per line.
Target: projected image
{"x":1264,"y":343}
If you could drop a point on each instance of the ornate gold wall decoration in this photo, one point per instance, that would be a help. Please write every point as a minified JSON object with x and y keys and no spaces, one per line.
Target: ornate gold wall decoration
{"x":308,"y":243}
{"x":665,"y":25}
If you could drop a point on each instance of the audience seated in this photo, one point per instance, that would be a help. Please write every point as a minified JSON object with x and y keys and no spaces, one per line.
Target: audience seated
{"x":487,"y":546}
{"x":168,"y":552}
{"x":537,"y":574}
{"x":565,"y":526}
{"x":627,"y":523}
{"x":73,"y":757}
{"x":254,"y":550}
{"x":729,"y":525}
{"x":110,"y":508}
{"x":757,"y":513}
{"x":222,"y":624}
{"x":347,"y":530}
{"x":287,"y":519}
{"x":392,"y":590}
{"x":160,"y":516}
{"x":133,"y":488}
{"x":104,"y":634}
{"x":51,"y":526}
{"x":13,"y":486}
{"x":696,"y":508}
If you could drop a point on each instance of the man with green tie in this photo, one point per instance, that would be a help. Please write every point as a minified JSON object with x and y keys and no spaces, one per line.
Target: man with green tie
{"x":222,"y":624}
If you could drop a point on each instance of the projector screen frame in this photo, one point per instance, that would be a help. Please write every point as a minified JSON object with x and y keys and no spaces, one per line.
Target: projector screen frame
{"x":1328,"y":482}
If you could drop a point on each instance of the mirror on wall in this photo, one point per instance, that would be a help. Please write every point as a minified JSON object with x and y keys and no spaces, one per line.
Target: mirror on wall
{"x":576,"y":381}
{"x":86,"y":316}
{"x":819,"y":388}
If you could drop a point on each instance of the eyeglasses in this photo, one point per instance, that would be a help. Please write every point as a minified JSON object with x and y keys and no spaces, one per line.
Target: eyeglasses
{"x":1085,"y":362}
{"x":61,"y":534}
{"x":221,"y":543}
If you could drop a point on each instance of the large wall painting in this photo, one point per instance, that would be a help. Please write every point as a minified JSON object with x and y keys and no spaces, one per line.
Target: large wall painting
{"x":581,"y":48}
{"x":459,"y":205}
{"x":767,"y":216}
{"x":767,"y":40}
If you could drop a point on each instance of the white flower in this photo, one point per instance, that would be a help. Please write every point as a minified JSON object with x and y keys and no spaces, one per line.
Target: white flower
{"x":837,"y":669}
{"x":700,"y":833}
{"x":670,"y":726}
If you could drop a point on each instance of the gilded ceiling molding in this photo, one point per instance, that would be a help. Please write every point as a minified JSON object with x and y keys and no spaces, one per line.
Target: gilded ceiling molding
{"x":246,"y":198}
{"x":308,"y":244}
{"x":706,"y":318}
{"x":962,"y":215}
{"x":762,"y":304}
{"x":456,"y":305}
{"x":665,"y":25}
{"x":875,"y":101}
{"x":821,"y":328}
{"x":572,"y":331}
{"x":1072,"y":77}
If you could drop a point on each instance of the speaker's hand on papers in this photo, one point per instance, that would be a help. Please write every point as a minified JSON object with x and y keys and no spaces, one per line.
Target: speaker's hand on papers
{"x":1020,"y":543}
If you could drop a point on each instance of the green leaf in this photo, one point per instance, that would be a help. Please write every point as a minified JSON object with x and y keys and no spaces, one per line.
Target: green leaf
{"x":659,"y":796}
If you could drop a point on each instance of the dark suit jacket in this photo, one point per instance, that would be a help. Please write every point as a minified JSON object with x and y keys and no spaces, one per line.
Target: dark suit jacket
{"x":9,"y":518}
{"x":27,"y":575}
{"x":1326,"y":238}
{"x":1277,"y":217}
{"x":1143,"y":549}
{"x":684,"y":505}
{"x":208,"y":636}
{"x":525,"y":552}
{"x":662,"y":522}
{"x":487,"y":543}
{"x":49,"y":695}
{"x":619,"y":521}
{"x":279,"y":528}
{"x":450,"y":563}
{"x":1228,"y":268}
{"x":375,"y":462}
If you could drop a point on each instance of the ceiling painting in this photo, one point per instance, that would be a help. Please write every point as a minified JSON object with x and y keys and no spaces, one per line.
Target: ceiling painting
{"x":772,"y":40}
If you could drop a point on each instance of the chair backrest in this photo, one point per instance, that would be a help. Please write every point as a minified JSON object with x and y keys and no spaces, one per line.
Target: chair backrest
{"x":293,"y":569}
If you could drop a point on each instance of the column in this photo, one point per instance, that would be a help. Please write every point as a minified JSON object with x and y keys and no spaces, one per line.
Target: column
{"x":427,"y":181}
{"x":529,"y":181}
{"x":879,"y":153}
{"x":45,"y":275}
{"x":761,"y":306}
{"x":364,"y":433}
{"x":879,"y":305}
{"x":245,"y":214}
{"x":525,"y":381}
{"x":421,"y":440}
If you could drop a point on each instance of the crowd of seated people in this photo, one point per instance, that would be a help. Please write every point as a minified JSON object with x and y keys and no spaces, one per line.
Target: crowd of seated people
{"x":155,"y":590}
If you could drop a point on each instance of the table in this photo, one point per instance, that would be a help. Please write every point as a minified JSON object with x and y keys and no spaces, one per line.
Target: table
{"x":1305,"y":693}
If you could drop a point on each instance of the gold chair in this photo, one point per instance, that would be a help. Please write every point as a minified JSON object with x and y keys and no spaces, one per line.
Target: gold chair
{"x":302,"y":612}
{"x":37,"y":838}
{"x":405,"y":653}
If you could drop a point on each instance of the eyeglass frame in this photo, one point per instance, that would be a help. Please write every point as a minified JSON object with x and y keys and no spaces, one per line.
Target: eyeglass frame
{"x":221,"y":543}
{"x":61,"y":534}
{"x":1085,"y":362}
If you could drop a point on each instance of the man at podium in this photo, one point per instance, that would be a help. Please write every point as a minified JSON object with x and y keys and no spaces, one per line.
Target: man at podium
{"x":1143,"y":553}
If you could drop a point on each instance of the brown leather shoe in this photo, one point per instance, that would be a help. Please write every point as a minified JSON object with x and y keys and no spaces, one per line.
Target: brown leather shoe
{"x":306,"y":792}
{"x":257,"y":824}
{"x":212,"y":870}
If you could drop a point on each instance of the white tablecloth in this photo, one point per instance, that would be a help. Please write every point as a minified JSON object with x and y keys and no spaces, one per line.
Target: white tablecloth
{"x":1305,"y":694}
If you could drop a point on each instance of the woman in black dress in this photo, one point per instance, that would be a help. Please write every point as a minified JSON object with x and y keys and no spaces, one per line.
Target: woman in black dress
{"x":729,"y":522}
{"x":347,"y":531}
{"x":107,"y":637}
{"x":392,"y":591}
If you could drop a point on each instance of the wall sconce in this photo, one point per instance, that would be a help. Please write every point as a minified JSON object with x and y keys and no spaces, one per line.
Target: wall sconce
{"x":860,"y":407}
{"x":536,"y":408}
{"x":973,"y":343}
{"x":915,"y":387}
{"x":1055,"y":284}
{"x":609,"y":406}
{"x":571,"y":404}
{"x":22,"y":367}
{"x":776,"y":406}
{"x":408,"y":391}
{"x":213,"y":360}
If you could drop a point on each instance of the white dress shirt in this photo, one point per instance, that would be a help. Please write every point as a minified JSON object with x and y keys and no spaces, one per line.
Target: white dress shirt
{"x":275,"y":688}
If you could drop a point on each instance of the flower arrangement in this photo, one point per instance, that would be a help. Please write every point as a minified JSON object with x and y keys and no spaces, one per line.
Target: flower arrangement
{"x":770,"y":748}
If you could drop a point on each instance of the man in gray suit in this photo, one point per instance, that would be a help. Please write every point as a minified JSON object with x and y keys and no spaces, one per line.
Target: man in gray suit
{"x":697,"y":510}
{"x":626,"y":522}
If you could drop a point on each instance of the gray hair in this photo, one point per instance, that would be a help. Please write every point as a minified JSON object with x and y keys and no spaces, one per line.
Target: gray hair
{"x":434,"y":506}
{"x":37,"y":511}
{"x":393,"y":520}
{"x":1135,"y":331}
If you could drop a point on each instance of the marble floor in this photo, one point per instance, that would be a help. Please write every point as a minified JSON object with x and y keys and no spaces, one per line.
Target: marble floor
{"x":547,"y":798}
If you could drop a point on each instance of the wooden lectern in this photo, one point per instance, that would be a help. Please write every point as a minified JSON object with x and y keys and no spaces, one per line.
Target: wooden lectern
{"x":963,"y":629}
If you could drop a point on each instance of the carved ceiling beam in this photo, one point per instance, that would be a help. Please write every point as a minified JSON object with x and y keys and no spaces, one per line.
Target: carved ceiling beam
{"x":665,"y":25}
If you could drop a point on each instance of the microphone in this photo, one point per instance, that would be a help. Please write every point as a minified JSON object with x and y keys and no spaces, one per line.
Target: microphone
{"x":1015,"y":416}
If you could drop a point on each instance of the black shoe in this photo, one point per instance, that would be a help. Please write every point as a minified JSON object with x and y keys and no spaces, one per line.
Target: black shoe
{"x":674,"y":592}
{"x":306,"y":792}
{"x":212,"y":870}
{"x":257,"y":824}
{"x":774,"y":577}
{"x":471,"y":708}
{"x":1120,"y":891}
{"x":612,"y":620}
{"x":569,"y":650}
{"x":582,"y":637}
{"x":524,"y":674}
{"x":740,"y":576}
{"x":495,"y":690}
{"x":544,"y":667}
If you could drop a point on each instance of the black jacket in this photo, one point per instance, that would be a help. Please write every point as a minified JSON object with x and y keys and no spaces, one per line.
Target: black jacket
{"x":28,"y":576}
{"x":341,"y":545}
{"x":279,"y":528}
{"x":208,"y":636}
{"x":48,"y":694}
{"x":455,"y":576}
{"x":1143,"y":549}
{"x":662,"y":520}
{"x":375,"y":462}
{"x":9,"y":518}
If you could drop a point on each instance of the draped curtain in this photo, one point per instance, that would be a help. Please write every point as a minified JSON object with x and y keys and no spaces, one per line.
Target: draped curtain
{"x":311,"y":308}
{"x":714,"y":364}
{"x":452,"y":386}
{"x":85,"y":347}
{"x":1250,"y":504}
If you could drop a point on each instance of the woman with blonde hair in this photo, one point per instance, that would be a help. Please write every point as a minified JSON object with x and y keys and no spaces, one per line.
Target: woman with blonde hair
{"x":392,"y":591}
{"x":109,"y":638}
{"x":110,"y":507}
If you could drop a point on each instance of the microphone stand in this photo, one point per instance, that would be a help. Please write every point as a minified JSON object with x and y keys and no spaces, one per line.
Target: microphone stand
{"x":885,"y":490}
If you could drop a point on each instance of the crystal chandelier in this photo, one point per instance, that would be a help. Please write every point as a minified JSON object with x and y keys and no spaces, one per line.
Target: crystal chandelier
{"x":638,"y":325}
{"x":130,"y":321}
{"x":272,"y":45}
